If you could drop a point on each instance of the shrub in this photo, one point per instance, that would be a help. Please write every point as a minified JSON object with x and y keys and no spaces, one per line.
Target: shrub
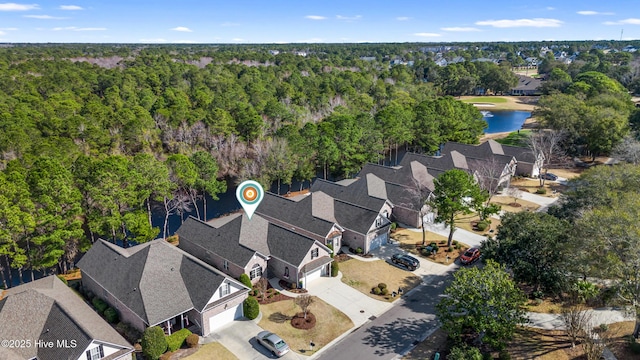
{"x":442,"y":241}
{"x":538,"y":294}
{"x":384,"y":291}
{"x":449,"y":249}
{"x":244,"y":279}
{"x":176,"y":340}
{"x":604,"y":327}
{"x":454,"y":242}
{"x":111,"y":315}
{"x":634,"y":347}
{"x":464,"y":352}
{"x":99,"y":304}
{"x":153,"y":343}
{"x":541,"y":191}
{"x":359,"y":250}
{"x":458,"y":246}
{"x":251,"y":308}
{"x":504,"y":355}
{"x":434,"y":248}
{"x":122,"y":327}
{"x":382,"y":286}
{"x":334,"y":269}
{"x":90,"y":296}
{"x":482,"y":225}
{"x":62,"y":278}
{"x":192,"y":340}
{"x":331,"y":248}
{"x":376,"y":291}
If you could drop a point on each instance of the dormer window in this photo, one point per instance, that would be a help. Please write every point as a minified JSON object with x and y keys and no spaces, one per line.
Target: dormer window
{"x":314,"y":253}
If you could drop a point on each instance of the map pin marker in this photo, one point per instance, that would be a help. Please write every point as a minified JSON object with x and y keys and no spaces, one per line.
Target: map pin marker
{"x":249,"y":194}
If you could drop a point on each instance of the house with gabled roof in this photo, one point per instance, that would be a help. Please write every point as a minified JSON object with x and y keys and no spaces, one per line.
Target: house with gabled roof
{"x":236,"y":244}
{"x":305,"y":214}
{"x":46,"y":310}
{"x":361,"y":207}
{"x":156,"y":283}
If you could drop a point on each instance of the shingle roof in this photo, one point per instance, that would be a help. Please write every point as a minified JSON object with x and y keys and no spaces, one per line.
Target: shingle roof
{"x":288,"y":246}
{"x":354,"y":217}
{"x":448,"y":161}
{"x":305,"y":213}
{"x":48,"y":310}
{"x":145,"y":276}
{"x":220,"y":236}
{"x":357,"y":193}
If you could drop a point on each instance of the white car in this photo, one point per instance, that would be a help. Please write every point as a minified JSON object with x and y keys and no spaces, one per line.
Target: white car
{"x":273,"y":343}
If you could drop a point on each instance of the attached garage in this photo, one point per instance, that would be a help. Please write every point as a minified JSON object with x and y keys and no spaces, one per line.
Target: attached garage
{"x":378,"y":241}
{"x":225,"y":317}
{"x":313,"y":275}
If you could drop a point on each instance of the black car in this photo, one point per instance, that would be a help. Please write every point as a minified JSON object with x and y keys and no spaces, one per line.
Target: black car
{"x":407,"y":261}
{"x":550,"y":176}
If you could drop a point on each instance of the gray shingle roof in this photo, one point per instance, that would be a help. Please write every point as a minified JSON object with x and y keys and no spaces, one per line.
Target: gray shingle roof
{"x":145,"y":276}
{"x":222,"y":240}
{"x":48,"y":310}
{"x":353,"y":217}
{"x":288,"y":246}
{"x":357,"y":193}
{"x":304,"y":212}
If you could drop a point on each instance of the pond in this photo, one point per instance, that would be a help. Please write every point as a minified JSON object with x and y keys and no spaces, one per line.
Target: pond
{"x":504,"y":120}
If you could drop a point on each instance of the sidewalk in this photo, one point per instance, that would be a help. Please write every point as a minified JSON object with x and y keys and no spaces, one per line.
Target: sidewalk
{"x":598,"y":316}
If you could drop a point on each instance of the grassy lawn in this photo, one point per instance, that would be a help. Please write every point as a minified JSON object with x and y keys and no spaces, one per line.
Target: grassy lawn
{"x":409,"y":240}
{"x":506,"y":201}
{"x":212,"y":350}
{"x":531,"y":185}
{"x":547,"y":306}
{"x":516,"y":138}
{"x":364,"y":275}
{"x":530,"y":343}
{"x":436,"y":342}
{"x":330,"y":323}
{"x":464,"y":222}
{"x":486,"y":99}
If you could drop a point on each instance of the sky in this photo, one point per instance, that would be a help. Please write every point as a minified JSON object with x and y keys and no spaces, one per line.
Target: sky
{"x":315,"y":21}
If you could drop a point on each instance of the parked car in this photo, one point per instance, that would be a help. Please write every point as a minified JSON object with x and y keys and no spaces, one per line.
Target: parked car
{"x":470,"y":256}
{"x":405,"y":260}
{"x":273,"y":343}
{"x":550,"y":176}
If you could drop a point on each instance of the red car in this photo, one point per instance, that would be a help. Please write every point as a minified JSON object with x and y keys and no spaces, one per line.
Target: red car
{"x":470,"y":256}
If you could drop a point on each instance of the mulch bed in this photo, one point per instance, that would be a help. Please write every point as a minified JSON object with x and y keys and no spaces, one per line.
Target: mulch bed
{"x":272,"y":299}
{"x":299,"y":322}
{"x":353,"y":251}
{"x":287,"y":286}
{"x":341,"y":258}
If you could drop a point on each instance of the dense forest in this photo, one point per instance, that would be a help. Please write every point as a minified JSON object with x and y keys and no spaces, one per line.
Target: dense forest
{"x":93,"y":138}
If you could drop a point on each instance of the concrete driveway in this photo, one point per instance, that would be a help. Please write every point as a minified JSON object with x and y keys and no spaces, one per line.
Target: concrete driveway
{"x":356,"y":305}
{"x":239,"y":337}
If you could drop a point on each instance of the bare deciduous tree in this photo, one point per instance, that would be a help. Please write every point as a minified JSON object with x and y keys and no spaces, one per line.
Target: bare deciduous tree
{"x":304,"y":301}
{"x":262,"y":286}
{"x":547,"y":143}
{"x":595,"y":342}
{"x":628,"y":150}
{"x":576,"y":320}
{"x":514,"y":193}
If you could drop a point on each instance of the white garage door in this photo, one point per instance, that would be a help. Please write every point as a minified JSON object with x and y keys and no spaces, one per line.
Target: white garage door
{"x":313,"y":275}
{"x":225,"y":317}
{"x":378,"y":241}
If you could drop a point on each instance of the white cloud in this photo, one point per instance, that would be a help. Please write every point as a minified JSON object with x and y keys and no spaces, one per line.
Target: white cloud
{"x":550,"y":8}
{"x":630,"y":21}
{"x":310,"y":41}
{"x":424,"y":34}
{"x":591,"y":12}
{"x":403,"y":18}
{"x":537,"y":22}
{"x":315,"y":17}
{"x":70,"y":7}
{"x":348,"y":18}
{"x":157,"y":40}
{"x":18,"y":7}
{"x":459,"y":29}
{"x":227,"y":24}
{"x":44,"y":17}
{"x":181,"y":29}
{"x":185,"y":42}
{"x":74,"y":28}
{"x":2,"y":33}
{"x":238,"y":39}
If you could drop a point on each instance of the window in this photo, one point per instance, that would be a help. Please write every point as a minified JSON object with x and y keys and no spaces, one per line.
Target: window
{"x":225,"y":265}
{"x":314,"y":253}
{"x":96,"y":353}
{"x":286,"y":272}
{"x":378,"y":221}
{"x":255,"y":272}
{"x":225,"y":289}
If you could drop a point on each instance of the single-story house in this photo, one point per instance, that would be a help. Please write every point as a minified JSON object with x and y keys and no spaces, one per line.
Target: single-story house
{"x":236,"y":244}
{"x":527,"y":86}
{"x":48,"y":312}
{"x":156,"y":283}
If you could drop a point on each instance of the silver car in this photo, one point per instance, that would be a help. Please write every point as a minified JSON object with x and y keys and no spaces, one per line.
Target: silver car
{"x":273,"y":343}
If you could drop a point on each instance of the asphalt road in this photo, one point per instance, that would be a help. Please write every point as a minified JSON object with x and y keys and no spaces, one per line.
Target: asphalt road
{"x":396,"y":330}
